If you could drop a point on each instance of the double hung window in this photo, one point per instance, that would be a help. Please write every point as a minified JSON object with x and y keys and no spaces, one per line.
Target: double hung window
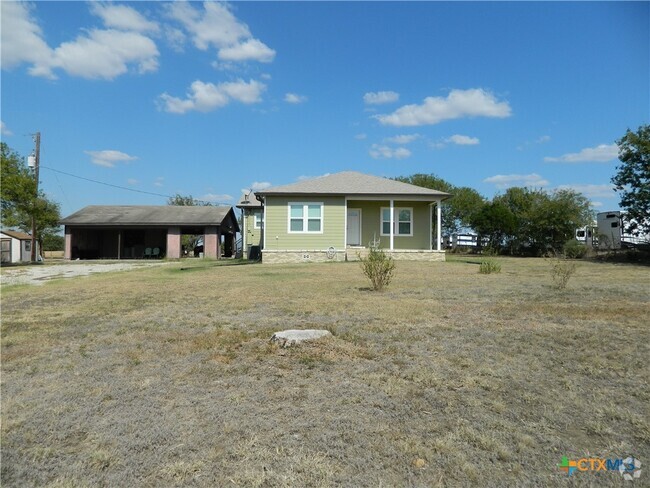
{"x":257,"y":219}
{"x":402,"y":221}
{"x":306,"y":217}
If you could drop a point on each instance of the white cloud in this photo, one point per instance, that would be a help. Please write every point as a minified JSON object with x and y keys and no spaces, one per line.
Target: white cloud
{"x":123,"y":17}
{"x":21,"y":38}
{"x":159,"y":181}
{"x":205,"y":97}
{"x":599,"y":154}
{"x":591,"y":191}
{"x":250,"y":50}
{"x":437,"y":145}
{"x":378,"y":98}
{"x":4,"y":130}
{"x":95,"y":54}
{"x":463,"y":140}
{"x":108,"y":158}
{"x":244,"y":92}
{"x":506,"y":181}
{"x":294,"y":98}
{"x":216,"y":198}
{"x":596,"y":204}
{"x":361,"y":137}
{"x":175,"y":38}
{"x":132,"y":181}
{"x":104,"y":54}
{"x":403,"y":139}
{"x":216,"y":26}
{"x":378,"y":151}
{"x":543,"y":139}
{"x":458,"y":104}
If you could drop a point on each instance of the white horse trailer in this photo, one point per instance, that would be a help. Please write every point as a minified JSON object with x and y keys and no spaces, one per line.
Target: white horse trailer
{"x":610,"y":232}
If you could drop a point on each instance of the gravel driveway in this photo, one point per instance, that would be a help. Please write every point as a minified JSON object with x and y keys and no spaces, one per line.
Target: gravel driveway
{"x":37,"y":275}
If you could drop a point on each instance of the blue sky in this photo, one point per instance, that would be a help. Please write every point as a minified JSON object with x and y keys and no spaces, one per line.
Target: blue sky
{"x":209,"y":99}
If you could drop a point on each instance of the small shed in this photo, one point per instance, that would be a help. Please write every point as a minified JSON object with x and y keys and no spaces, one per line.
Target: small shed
{"x":141,"y":231}
{"x":16,"y":247}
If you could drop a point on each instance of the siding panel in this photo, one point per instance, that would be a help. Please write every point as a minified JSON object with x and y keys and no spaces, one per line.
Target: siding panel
{"x":277,"y":215}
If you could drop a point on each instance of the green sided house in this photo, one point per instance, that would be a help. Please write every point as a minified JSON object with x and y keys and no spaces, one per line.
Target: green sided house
{"x":337,"y":217}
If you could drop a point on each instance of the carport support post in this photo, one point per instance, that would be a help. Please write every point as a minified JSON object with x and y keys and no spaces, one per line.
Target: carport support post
{"x":211,"y":242}
{"x":174,"y":242}
{"x":67,"y":250}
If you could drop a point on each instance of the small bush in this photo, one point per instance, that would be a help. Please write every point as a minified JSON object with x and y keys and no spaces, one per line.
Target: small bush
{"x":561,"y":270}
{"x":574,"y":249}
{"x":489,"y":266}
{"x":378,"y":267}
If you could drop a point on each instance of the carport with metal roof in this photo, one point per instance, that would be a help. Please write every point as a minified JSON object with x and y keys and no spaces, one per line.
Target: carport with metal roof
{"x":141,"y":231}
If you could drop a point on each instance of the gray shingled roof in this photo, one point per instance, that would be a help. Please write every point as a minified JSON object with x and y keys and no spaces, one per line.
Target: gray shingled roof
{"x":352,"y":183}
{"x":248,"y":200}
{"x":147,"y":215}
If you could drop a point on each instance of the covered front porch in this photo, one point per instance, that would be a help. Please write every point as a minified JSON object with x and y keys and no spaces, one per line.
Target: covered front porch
{"x":405,"y":229}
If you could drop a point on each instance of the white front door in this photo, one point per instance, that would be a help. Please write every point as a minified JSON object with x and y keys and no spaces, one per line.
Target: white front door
{"x":354,"y":227}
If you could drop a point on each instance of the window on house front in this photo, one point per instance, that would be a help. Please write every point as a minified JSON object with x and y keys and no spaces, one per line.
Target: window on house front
{"x":306,"y":217}
{"x":402,"y":221}
{"x":257,"y":219}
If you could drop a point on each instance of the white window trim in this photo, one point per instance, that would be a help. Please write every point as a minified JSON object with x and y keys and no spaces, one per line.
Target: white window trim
{"x":396,"y":211}
{"x":257,"y":223}
{"x":305,"y":217}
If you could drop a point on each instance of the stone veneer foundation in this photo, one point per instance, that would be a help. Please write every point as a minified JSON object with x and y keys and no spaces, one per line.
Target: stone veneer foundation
{"x":352,"y":254}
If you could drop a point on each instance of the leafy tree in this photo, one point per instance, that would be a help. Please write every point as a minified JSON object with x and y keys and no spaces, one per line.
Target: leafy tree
{"x":18,"y":185}
{"x":457,"y":211}
{"x":633,"y":179}
{"x":53,"y":242}
{"x":19,"y":200}
{"x":182,"y":201}
{"x":464,"y":203}
{"x":527,"y":221}
{"x":496,"y":222}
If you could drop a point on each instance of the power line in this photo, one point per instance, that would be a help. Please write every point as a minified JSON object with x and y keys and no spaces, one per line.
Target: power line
{"x":126,"y":188}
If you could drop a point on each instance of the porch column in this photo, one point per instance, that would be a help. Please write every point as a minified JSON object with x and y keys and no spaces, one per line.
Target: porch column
{"x":431,"y":226}
{"x":67,"y":250}
{"x":218,"y":244}
{"x":392,"y":222}
{"x":119,"y":244}
{"x":211,"y":242}
{"x":243,"y":234}
{"x":174,"y":242}
{"x":438,"y":224}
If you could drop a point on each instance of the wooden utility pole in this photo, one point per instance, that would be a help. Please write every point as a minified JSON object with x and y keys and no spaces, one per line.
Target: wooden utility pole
{"x":37,"y":160}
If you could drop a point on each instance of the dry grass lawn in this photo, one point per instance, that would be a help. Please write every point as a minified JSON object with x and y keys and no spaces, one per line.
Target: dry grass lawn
{"x":166,"y":377}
